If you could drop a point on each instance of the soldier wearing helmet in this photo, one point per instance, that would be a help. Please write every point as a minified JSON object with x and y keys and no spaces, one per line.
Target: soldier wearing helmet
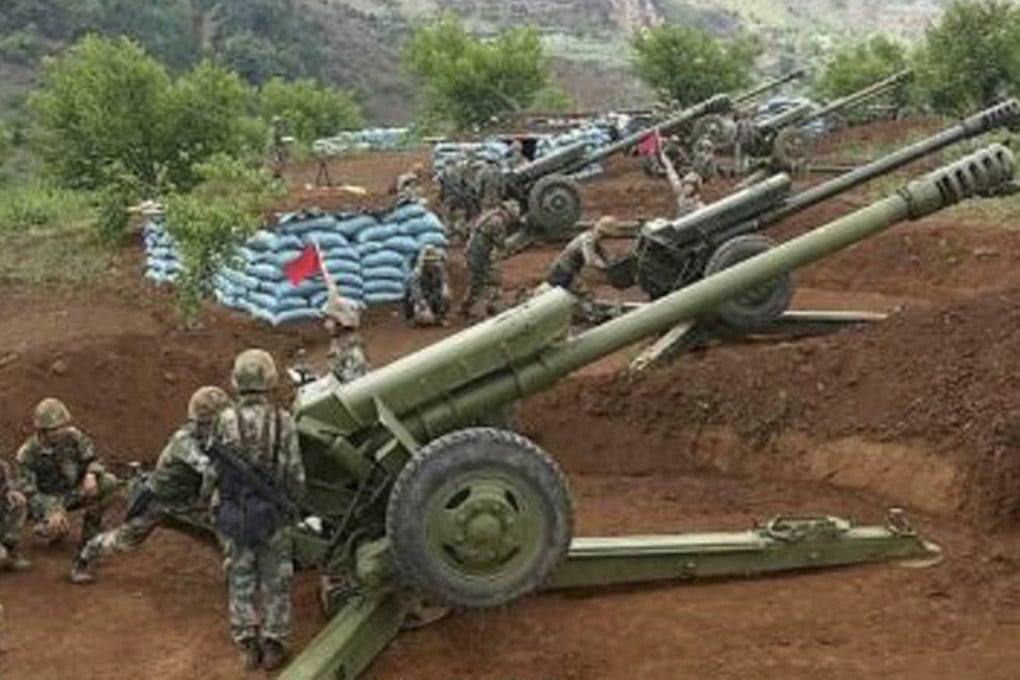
{"x":59,"y":472}
{"x":12,"y":521}
{"x":410,"y":184}
{"x":585,"y":250}
{"x":427,"y":295}
{"x":257,"y":541}
{"x":179,"y":487}
{"x":703,"y":162}
{"x":342,"y":318}
{"x":485,"y":245}
{"x":276,"y":152}
{"x":687,"y":190}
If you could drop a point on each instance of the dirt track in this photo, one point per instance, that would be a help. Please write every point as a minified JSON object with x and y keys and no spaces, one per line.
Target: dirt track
{"x":921,"y":410}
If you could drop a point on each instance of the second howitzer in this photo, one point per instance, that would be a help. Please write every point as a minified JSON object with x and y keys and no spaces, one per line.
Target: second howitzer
{"x":669,"y":255}
{"x":419,"y":503}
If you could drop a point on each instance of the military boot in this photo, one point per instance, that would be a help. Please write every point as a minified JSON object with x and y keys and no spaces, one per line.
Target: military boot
{"x":81,"y":572}
{"x":251,"y":653}
{"x":274,"y":655}
{"x":16,"y":560}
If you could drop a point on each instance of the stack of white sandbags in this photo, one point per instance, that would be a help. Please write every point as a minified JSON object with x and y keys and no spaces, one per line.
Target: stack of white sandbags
{"x":161,"y":262}
{"x":594,"y":138}
{"x":494,"y":151}
{"x":372,"y":139}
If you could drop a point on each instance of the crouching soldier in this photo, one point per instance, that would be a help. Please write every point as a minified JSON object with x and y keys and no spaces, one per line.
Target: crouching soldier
{"x":12,"y":522}
{"x":60,"y":473}
{"x":258,"y":474}
{"x":585,"y":250}
{"x":177,"y":487}
{"x":427,"y":295}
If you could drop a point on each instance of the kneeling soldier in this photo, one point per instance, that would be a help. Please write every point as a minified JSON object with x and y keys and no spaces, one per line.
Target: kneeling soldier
{"x":427,"y":295}
{"x":177,"y":487}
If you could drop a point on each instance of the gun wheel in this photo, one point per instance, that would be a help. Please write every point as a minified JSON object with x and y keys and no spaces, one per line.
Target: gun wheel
{"x":554,"y":204}
{"x":719,"y":129}
{"x":759,"y":305}
{"x":479,"y":517}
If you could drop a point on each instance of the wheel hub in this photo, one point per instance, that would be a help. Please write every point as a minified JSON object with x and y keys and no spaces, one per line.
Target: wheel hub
{"x":480,"y":531}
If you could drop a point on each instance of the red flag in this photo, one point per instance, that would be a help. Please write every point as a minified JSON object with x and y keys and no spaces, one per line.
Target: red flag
{"x":305,"y":265}
{"x":649,"y":146}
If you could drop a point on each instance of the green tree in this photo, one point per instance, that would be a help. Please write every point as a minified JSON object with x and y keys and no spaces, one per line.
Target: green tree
{"x":857,"y":66}
{"x":99,"y":113}
{"x":687,"y":65}
{"x":311,"y":110}
{"x":469,"y":82}
{"x":971,"y":57}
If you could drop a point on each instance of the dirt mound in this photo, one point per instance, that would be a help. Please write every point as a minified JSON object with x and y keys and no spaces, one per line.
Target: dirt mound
{"x":945,"y":378}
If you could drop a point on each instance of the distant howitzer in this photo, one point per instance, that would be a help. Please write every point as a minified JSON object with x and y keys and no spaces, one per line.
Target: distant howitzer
{"x":420,"y":504}
{"x":550,"y":199}
{"x":783,"y":139}
{"x":721,"y":129}
{"x":670,"y":255}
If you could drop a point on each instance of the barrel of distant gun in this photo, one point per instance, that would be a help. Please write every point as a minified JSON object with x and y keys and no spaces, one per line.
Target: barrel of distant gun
{"x":767,"y":86}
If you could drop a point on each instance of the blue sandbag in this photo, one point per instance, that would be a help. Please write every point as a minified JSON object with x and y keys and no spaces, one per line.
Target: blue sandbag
{"x":365,"y":249}
{"x":301,"y":228}
{"x":342,"y":265}
{"x":239,"y":279}
{"x":383,"y":298}
{"x":294,"y":315}
{"x":384,"y":274}
{"x":378,"y":233}
{"x":428,"y":222}
{"x":327,"y":240}
{"x":383,"y":258}
{"x":404,"y":245}
{"x":279,"y":289}
{"x":352,"y":224}
{"x":406,"y":211}
{"x":158,"y":276}
{"x":266,"y":272}
{"x":346,"y":253}
{"x":432,"y":238}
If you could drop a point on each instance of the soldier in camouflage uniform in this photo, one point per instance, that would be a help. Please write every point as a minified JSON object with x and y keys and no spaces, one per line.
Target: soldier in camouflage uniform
{"x":485,"y":245}
{"x":410,"y":184}
{"x":178,"y":487}
{"x":687,"y":190}
{"x":455,"y":193}
{"x":487,"y":184}
{"x":427,"y":296}
{"x":704,"y":162}
{"x":59,"y":472}
{"x":276,"y":151}
{"x":12,"y":521}
{"x":346,"y":354}
{"x":258,"y":570}
{"x":585,"y":250}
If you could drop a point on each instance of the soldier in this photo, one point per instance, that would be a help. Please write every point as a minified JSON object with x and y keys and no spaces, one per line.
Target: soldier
{"x":256,"y":535}
{"x":179,"y":486}
{"x":704,"y":162}
{"x":487,"y":184}
{"x":276,"y":151}
{"x":687,"y":190}
{"x":585,"y":250}
{"x":455,"y":193}
{"x":517,"y":157}
{"x":346,"y":353}
{"x":409,"y":184}
{"x":12,"y":522}
{"x":486,"y":244}
{"x":59,"y":473}
{"x":427,"y":295}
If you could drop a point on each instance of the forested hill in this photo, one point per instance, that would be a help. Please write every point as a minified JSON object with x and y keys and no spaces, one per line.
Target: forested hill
{"x":356,"y":43}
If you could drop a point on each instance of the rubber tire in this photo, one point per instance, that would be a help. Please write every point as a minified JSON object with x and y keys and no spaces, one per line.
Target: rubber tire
{"x":453,"y":454}
{"x":554,"y":223}
{"x":737,"y":313}
{"x":719,"y":129}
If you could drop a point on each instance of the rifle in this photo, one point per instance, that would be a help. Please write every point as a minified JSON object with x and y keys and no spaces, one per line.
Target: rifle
{"x":257,"y":480}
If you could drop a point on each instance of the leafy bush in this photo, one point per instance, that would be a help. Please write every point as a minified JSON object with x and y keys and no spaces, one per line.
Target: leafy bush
{"x":23,"y":46}
{"x":857,"y":66}
{"x":211,"y":221}
{"x":470,"y":82}
{"x":311,"y":110}
{"x":688,"y":65}
{"x":39,"y":206}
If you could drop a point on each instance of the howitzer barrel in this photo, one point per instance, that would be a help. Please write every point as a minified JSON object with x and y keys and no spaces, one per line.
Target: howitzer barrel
{"x":978,"y":173}
{"x":746,"y":97}
{"x":871,"y":92}
{"x":720,"y":103}
{"x":984,"y":121}
{"x":555,"y":162}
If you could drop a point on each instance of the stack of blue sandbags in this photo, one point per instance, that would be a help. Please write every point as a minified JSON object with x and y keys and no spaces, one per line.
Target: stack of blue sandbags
{"x":388,"y":249}
{"x":494,"y":150}
{"x":372,"y":139}
{"x":368,"y":256}
{"x":594,"y":137}
{"x":161,"y":262}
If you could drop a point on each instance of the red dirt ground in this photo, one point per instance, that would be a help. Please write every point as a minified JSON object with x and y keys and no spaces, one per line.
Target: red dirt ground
{"x":921,"y":410}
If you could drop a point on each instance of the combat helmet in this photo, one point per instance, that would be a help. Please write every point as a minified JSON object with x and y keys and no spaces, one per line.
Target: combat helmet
{"x":51,"y":414}
{"x":692,"y":178}
{"x":342,"y":311}
{"x":512,"y":207}
{"x":604,"y":225}
{"x":431,"y":254}
{"x":254,"y":371}
{"x":206,"y":403}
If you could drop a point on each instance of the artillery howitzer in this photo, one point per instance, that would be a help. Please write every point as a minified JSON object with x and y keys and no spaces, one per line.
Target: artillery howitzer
{"x":419,"y":504}
{"x":669,"y":255}
{"x":783,"y":138}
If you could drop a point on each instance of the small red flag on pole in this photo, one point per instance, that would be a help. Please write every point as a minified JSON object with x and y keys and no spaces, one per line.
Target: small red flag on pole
{"x":649,"y":146}
{"x":307,"y":264}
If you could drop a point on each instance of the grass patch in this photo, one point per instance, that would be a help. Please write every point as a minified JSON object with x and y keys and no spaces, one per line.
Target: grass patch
{"x":69,"y":256}
{"x":36,"y":206}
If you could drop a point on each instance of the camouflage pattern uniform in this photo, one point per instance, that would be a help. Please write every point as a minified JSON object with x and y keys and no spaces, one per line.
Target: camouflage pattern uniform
{"x":276,"y":148}
{"x":12,"y":521}
{"x":487,"y":184}
{"x":485,"y":244}
{"x":179,"y":486}
{"x":585,"y":250}
{"x":409,"y":184}
{"x":346,"y":355}
{"x":267,"y":436}
{"x":704,"y":162}
{"x":51,"y":471}
{"x":427,"y":299}
{"x":455,"y":192}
